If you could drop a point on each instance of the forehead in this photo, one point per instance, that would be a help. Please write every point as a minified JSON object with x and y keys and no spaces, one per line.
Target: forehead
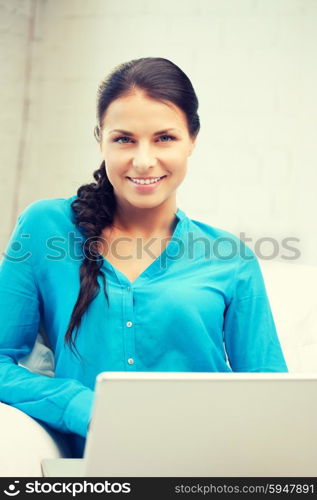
{"x":137,"y":109}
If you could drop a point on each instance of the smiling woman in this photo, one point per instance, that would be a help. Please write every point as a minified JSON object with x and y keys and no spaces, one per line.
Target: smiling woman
{"x":152,"y":289}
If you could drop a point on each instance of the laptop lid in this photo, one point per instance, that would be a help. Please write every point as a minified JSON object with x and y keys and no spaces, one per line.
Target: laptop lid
{"x":203,"y":424}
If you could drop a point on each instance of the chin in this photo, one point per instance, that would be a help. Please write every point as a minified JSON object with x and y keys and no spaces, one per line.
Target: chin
{"x":145,"y":203}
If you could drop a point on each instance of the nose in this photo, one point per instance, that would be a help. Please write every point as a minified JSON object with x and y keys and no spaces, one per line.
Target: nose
{"x":143,"y":158}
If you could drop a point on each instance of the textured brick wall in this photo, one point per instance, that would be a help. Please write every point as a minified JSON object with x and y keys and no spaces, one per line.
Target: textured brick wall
{"x":252,"y":62}
{"x":15,"y":23}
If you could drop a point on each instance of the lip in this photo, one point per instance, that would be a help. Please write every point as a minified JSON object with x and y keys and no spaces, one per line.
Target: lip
{"x":145,"y":187}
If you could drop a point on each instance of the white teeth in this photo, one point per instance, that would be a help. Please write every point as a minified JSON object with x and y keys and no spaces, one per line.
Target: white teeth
{"x":146,"y":181}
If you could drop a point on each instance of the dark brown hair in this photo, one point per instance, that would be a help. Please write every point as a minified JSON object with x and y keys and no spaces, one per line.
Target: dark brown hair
{"x":95,"y":205}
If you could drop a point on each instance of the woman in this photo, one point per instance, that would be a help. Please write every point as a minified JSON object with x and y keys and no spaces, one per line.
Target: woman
{"x":121,"y":278}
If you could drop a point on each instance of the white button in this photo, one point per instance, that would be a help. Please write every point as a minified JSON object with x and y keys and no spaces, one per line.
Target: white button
{"x":130,"y":361}
{"x":129,"y":323}
{"x":128,"y":288}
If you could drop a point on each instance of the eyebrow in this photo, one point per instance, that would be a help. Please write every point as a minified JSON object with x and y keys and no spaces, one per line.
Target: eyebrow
{"x":130,"y":134}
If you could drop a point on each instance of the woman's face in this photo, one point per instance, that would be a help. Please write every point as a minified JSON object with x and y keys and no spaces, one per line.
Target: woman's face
{"x":143,"y":140}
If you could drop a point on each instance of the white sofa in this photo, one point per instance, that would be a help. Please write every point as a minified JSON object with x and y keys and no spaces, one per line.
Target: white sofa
{"x":25,"y":442}
{"x":292,"y":292}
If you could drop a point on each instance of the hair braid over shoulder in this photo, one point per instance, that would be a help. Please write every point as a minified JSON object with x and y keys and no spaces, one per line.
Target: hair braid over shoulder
{"x":93,"y":210}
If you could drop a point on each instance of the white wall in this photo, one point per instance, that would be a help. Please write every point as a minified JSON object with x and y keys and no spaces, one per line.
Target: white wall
{"x":252,"y":62}
{"x":15,"y":27}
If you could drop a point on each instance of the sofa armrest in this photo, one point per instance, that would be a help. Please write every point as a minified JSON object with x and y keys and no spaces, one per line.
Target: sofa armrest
{"x":292,"y":293}
{"x":25,"y":443}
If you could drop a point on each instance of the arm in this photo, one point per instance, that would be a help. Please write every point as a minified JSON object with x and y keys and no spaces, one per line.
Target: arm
{"x":250,"y":336}
{"x":64,"y":404}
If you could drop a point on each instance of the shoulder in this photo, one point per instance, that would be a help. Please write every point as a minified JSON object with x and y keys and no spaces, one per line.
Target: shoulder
{"x":223,"y":244}
{"x":233,"y":255}
{"x":211,"y":231}
{"x":47,"y":212}
{"x":41,"y":222}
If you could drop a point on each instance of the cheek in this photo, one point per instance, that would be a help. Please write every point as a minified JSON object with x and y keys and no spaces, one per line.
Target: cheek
{"x":115,"y":164}
{"x":178,"y":162}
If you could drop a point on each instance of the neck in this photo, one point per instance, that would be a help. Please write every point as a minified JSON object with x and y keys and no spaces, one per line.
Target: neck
{"x":146,"y":222}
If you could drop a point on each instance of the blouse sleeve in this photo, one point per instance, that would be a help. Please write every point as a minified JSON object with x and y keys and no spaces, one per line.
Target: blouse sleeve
{"x":64,"y":404}
{"x":250,"y":336}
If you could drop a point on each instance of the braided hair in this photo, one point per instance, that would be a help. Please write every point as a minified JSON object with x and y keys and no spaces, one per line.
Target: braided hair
{"x":95,"y":205}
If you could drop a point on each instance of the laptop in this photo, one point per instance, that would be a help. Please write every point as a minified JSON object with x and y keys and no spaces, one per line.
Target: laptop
{"x":199,"y":425}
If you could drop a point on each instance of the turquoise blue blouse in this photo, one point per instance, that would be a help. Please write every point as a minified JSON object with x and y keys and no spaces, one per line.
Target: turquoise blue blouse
{"x":201,"y":306}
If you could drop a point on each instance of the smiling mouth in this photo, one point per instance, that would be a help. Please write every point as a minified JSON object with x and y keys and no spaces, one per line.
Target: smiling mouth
{"x":146,"y":181}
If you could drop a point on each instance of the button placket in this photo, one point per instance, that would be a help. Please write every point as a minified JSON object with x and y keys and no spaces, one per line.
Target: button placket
{"x":129,"y":332}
